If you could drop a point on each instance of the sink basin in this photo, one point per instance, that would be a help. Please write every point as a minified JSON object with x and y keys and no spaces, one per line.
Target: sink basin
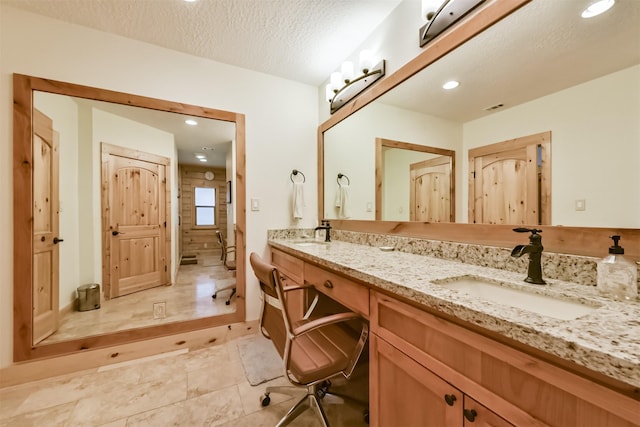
{"x":304,"y":243}
{"x":521,"y":298}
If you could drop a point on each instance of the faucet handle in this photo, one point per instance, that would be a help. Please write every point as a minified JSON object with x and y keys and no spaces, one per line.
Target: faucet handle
{"x":527,"y":230}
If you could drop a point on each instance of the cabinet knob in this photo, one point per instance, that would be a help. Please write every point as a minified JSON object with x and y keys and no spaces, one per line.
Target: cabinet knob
{"x":450,"y":399}
{"x":328,"y":284}
{"x":470,"y":414}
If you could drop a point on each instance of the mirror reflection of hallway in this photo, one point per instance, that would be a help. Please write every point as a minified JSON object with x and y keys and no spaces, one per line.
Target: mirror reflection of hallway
{"x":188,"y":298}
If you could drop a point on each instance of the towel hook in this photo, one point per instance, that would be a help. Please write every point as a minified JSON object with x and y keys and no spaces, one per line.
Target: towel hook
{"x":296,"y":172}
{"x":340,"y":176}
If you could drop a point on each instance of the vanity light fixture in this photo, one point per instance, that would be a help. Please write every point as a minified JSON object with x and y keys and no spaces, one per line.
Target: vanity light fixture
{"x":451,"y":84}
{"x":441,"y":14}
{"x":346,"y":84}
{"x":191,"y":122}
{"x":595,"y":9}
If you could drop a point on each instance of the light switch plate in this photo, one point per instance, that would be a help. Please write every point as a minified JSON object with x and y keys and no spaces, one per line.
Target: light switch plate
{"x":255,"y":204}
{"x":581,"y":205}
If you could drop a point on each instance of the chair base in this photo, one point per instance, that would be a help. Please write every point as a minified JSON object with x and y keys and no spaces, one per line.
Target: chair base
{"x":228,"y":301}
{"x":312,"y":399}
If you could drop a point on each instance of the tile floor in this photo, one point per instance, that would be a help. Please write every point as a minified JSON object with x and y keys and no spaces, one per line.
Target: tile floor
{"x":188,"y":298}
{"x":204,"y":387}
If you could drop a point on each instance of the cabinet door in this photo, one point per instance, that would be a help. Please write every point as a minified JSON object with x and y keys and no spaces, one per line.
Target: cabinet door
{"x":477,"y":415}
{"x":404,"y":393}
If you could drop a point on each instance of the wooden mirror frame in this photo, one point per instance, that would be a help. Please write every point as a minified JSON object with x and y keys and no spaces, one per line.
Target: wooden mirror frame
{"x":588,"y":241}
{"x":23,"y":87}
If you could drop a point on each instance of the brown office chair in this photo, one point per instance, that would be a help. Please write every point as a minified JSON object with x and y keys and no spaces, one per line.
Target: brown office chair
{"x":312,"y":350}
{"x":228,"y":264}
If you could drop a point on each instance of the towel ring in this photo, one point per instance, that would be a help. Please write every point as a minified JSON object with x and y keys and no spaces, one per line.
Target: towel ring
{"x":340,"y":176}
{"x":296,"y":172}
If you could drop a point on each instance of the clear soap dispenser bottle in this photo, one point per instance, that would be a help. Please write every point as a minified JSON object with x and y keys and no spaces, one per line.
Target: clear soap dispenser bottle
{"x":617,"y":276}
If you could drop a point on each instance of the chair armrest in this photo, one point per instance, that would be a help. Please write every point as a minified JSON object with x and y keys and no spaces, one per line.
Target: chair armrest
{"x":324,"y":321}
{"x":297,"y":287}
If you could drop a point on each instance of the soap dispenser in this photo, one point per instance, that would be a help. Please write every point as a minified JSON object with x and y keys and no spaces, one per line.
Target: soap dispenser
{"x":617,"y":276}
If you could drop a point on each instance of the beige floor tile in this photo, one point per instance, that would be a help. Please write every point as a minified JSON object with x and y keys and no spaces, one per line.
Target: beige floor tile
{"x":55,"y":416}
{"x":208,"y":409}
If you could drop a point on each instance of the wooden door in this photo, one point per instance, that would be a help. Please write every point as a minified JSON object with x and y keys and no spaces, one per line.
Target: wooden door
{"x":136,"y":214}
{"x":430,"y":190}
{"x":404,"y":393}
{"x":45,"y":284}
{"x":510,"y":182}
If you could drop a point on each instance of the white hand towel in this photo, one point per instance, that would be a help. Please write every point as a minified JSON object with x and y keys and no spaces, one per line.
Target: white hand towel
{"x":298,"y":200}
{"x":344,"y":210}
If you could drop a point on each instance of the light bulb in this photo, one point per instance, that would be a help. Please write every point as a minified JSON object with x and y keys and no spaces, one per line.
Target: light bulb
{"x":452,"y":84}
{"x":329,"y":92}
{"x":336,"y":81}
{"x":366,"y":60}
{"x":347,"y":71}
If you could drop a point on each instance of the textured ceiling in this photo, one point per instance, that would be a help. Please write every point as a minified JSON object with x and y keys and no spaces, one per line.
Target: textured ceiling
{"x":301,"y":40}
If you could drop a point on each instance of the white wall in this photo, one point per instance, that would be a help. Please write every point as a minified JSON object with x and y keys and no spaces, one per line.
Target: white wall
{"x":591,"y":126}
{"x":281,"y":120}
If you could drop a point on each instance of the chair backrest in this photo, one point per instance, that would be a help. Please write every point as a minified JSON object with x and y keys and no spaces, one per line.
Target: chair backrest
{"x":221,"y":241}
{"x":274,"y":319}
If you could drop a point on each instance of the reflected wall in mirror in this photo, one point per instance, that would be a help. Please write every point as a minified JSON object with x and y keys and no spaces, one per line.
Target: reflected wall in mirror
{"x":579,"y":81}
{"x":125,"y":167}
{"x":414,"y":182}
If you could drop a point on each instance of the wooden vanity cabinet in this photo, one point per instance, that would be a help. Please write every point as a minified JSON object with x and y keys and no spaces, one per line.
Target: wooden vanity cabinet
{"x":428,"y":371}
{"x":429,"y":351}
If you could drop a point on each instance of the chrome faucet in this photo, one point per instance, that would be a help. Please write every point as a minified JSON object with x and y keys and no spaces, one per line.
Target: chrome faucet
{"x":327,"y":227}
{"x":534,"y":249}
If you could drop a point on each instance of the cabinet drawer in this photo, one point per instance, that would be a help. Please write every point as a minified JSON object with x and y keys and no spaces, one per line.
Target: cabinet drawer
{"x":290,"y":267}
{"x":348,"y":293}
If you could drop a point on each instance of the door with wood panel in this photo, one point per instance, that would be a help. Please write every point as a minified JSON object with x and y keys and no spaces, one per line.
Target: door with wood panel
{"x":136,"y":214}
{"x":430,"y":190}
{"x":46,"y":240}
{"x":510,"y":182}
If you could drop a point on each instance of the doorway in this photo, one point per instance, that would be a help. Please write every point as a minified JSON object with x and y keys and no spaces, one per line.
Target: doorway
{"x":135,"y":214}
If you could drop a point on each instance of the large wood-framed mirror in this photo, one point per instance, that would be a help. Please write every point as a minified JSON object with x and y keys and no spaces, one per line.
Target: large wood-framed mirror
{"x":525,"y":68}
{"x":102,"y":180}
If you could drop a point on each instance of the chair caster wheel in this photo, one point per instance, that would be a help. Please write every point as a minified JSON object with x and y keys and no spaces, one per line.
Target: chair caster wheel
{"x":214,"y":296}
{"x":320,"y":393}
{"x":366,"y":416}
{"x":227,"y":302}
{"x":265,"y":400}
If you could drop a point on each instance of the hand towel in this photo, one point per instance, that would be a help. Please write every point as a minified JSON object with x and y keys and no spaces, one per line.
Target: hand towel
{"x":344,"y":208}
{"x":298,"y":200}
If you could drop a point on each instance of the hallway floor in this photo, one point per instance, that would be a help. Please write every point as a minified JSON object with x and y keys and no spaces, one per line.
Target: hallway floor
{"x":188,"y":298}
{"x":204,"y":387}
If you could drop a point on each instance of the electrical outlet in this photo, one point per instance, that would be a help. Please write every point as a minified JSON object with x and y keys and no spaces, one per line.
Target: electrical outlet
{"x":159,"y":310}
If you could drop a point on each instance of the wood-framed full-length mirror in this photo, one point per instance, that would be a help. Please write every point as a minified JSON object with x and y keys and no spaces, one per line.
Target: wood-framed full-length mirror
{"x":576,"y":82}
{"x":121,"y":169}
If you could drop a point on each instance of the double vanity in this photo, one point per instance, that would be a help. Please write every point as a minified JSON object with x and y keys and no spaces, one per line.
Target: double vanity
{"x":456,"y":342}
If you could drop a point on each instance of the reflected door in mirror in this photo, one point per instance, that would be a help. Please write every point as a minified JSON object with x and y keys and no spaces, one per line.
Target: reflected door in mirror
{"x":509,"y":182}
{"x":430,"y":190}
{"x":136,"y":206}
{"x":45,"y":228}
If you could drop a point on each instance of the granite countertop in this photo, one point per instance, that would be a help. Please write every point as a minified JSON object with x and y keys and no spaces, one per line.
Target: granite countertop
{"x":605,"y":340}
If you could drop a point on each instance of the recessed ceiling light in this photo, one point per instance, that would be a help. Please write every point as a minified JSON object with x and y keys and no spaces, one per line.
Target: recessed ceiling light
{"x":200,"y":156}
{"x":208,"y":148}
{"x":597,"y":8}
{"x":190,"y":1}
{"x":452,"y":84}
{"x":203,"y":159}
{"x":191,"y":122}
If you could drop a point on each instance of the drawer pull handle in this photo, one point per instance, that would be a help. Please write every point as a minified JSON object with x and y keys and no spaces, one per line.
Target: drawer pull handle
{"x":328,"y":284}
{"x":470,"y":414}
{"x":450,"y":399}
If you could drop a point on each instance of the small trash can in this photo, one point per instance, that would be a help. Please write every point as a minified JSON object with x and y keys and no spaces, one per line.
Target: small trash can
{"x":88,"y":297}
